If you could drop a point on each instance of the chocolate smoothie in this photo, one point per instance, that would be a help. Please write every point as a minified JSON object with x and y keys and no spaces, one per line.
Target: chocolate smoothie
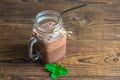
{"x":50,"y":48}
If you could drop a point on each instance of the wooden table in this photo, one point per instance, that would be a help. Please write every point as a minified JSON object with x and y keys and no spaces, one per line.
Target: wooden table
{"x":93,"y":52}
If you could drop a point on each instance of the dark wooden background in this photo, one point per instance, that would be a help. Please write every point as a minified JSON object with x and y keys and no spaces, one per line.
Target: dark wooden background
{"x":93,"y":52}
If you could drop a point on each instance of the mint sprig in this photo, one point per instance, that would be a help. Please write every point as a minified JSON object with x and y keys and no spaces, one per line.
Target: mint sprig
{"x":56,"y":70}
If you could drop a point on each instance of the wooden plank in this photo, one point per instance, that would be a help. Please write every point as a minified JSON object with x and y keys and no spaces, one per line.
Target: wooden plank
{"x":98,"y":32}
{"x":98,"y":1}
{"x":61,"y":78}
{"x":79,"y":32}
{"x":85,"y":39}
{"x":77,"y":47}
{"x":20,"y":51}
{"x":84,"y":1}
{"x":88,"y":65}
{"x":17,"y":10}
{"x":80,"y":46}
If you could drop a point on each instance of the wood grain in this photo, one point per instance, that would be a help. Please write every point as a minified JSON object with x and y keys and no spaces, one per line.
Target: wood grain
{"x":93,"y":51}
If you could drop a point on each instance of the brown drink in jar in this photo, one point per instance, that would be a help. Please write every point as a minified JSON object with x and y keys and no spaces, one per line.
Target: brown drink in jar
{"x":49,"y":49}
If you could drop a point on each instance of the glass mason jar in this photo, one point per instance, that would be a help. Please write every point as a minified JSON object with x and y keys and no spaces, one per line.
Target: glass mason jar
{"x":48,"y":42}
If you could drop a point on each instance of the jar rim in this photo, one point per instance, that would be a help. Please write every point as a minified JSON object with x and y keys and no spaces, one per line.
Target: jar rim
{"x":42,"y":13}
{"x":40,"y":16}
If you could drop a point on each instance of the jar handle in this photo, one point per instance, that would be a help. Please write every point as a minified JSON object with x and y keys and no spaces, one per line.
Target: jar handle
{"x":32,"y":41}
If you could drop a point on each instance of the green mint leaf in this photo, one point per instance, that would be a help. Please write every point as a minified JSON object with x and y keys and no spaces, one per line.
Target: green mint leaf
{"x":56,"y":70}
{"x":60,"y":70}
{"x":51,"y":67}
{"x":53,"y":76}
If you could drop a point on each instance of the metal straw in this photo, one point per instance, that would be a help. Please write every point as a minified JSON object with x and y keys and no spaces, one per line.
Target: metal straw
{"x":69,"y":9}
